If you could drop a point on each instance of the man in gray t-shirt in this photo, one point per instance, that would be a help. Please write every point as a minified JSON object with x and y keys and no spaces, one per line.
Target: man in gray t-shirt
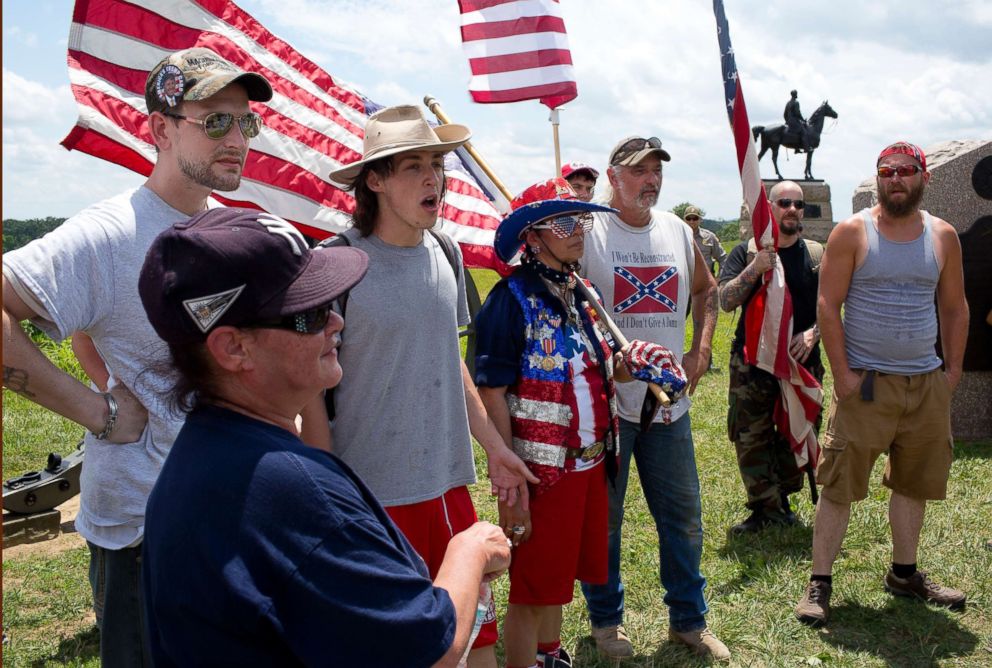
{"x":84,"y":277}
{"x":407,"y":403}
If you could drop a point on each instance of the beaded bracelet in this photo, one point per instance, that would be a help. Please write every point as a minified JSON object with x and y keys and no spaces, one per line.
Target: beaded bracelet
{"x":111,"y":422}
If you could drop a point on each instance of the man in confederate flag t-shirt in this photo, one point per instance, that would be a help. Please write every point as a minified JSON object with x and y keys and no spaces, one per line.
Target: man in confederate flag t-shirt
{"x":647,"y":267}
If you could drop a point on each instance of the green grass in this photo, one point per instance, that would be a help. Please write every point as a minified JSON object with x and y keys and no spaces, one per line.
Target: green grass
{"x":754,"y":582}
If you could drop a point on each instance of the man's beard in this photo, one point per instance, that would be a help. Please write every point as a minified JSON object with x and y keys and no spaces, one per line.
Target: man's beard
{"x":200,"y":173}
{"x":910,"y":203}
{"x":641,"y":200}
{"x":796,"y":226}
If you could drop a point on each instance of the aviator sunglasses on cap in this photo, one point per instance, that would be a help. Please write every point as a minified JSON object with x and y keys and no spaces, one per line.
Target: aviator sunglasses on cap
{"x":564,"y":226}
{"x":216,"y":125}
{"x":632,"y":147}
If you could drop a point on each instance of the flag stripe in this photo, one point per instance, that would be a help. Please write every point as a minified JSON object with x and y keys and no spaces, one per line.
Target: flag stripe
{"x":518,"y":26}
{"x":519,"y":61}
{"x":313,"y":124}
{"x":526,"y":93}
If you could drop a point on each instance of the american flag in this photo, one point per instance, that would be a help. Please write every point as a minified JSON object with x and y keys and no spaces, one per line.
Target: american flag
{"x":768,"y":326}
{"x":313,"y":124}
{"x":517,"y":50}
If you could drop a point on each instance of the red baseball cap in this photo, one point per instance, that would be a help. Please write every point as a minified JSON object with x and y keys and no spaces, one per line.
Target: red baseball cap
{"x":570,"y":168}
{"x":904,"y":148}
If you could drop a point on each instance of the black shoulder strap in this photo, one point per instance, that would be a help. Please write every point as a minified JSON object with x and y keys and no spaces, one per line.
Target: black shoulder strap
{"x":448,"y":246}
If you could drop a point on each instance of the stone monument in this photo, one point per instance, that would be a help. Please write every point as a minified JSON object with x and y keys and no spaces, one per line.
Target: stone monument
{"x":960,"y":192}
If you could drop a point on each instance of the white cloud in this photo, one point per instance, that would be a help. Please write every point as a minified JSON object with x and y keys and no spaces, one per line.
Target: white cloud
{"x":28,"y":102}
{"x":20,"y":36}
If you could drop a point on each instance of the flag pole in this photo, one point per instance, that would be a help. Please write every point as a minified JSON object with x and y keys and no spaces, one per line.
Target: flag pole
{"x":432,"y":103}
{"x":621,"y":340}
{"x":554,"y":126}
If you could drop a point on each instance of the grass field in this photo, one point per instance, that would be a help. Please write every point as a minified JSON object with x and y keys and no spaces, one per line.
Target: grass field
{"x":754,"y":582}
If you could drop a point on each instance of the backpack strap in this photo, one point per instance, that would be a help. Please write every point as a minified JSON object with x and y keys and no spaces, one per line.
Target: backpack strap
{"x":448,"y":246}
{"x":815,"y":250}
{"x":337,"y":240}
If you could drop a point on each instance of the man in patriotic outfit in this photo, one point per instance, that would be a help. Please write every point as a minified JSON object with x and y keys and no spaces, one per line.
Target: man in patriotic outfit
{"x":647,"y":267}
{"x":84,"y":276}
{"x":545,"y":370}
{"x":767,"y":464}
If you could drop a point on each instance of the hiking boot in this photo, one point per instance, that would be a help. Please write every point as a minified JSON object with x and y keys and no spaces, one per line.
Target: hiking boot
{"x":702,"y":642}
{"x":919,"y":585}
{"x":814,"y":607}
{"x":612,"y":641}
{"x":761,"y":519}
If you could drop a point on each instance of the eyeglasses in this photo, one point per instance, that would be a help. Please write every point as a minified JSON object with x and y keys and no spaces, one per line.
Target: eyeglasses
{"x":564,"y":226}
{"x":307,"y":322}
{"x":785,"y":203}
{"x":904,"y":171}
{"x":632,"y":147}
{"x":217,"y":124}
{"x":691,"y":218}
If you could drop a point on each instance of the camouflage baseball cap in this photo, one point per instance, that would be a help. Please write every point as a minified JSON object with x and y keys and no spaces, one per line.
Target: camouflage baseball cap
{"x":196,"y":74}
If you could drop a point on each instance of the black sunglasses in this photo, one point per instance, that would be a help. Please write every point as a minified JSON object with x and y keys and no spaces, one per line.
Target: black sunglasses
{"x":785,"y":203}
{"x":216,"y":125}
{"x":306,"y":322}
{"x":692,"y":217}
{"x":632,"y":147}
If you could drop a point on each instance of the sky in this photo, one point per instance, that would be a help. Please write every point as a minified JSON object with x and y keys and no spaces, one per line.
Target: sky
{"x":914,"y":70}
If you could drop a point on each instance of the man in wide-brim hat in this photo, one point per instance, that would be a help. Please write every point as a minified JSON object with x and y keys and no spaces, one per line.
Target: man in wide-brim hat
{"x":407,"y":410}
{"x":545,"y":371}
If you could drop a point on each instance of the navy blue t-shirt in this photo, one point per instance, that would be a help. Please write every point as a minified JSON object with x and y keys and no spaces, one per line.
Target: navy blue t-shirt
{"x":261,"y":551}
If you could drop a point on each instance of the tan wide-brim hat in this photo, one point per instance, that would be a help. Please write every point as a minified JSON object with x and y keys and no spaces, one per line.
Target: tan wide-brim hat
{"x":399,"y":129}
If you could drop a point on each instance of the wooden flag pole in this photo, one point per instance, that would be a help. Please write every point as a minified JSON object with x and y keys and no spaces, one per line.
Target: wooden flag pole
{"x":431,"y":102}
{"x":621,"y":340}
{"x":554,"y":126}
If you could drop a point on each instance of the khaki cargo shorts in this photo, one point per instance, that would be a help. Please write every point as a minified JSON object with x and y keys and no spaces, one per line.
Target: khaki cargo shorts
{"x":909,"y":417}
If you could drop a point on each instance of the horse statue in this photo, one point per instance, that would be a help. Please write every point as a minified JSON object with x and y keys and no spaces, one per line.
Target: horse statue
{"x":774,"y":136}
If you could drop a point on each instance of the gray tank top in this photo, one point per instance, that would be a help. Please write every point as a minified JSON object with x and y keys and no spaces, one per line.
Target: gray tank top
{"x":890,"y":322}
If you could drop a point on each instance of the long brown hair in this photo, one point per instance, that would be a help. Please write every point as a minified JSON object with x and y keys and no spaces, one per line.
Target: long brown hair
{"x":367,"y":202}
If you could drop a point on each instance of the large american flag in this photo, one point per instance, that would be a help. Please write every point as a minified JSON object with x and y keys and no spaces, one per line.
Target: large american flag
{"x":313,"y":124}
{"x":768,"y":327}
{"x":517,"y":50}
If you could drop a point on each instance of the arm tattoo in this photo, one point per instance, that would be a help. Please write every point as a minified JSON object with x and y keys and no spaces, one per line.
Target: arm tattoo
{"x":735,"y":292}
{"x":17,"y":380}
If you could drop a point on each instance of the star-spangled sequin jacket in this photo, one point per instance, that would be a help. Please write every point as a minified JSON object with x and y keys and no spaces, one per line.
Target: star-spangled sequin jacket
{"x":542,"y":402}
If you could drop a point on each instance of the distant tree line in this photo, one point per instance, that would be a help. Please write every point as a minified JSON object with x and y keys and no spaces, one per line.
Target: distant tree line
{"x":17,"y":233}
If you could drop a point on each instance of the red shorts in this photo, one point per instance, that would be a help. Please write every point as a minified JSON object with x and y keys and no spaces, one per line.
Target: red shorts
{"x":568,"y":540}
{"x":429,"y":526}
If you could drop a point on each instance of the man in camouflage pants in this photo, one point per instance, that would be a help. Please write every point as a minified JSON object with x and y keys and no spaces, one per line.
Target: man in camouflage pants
{"x":768,"y":467}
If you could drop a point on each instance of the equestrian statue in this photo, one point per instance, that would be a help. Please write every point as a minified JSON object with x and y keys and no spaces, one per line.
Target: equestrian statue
{"x":797,"y":133}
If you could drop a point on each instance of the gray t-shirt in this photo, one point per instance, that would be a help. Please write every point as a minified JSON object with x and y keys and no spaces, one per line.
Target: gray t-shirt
{"x":401,"y":421}
{"x":85,"y":275}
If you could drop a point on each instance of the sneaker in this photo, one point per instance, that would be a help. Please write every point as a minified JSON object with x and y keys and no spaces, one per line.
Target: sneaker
{"x":919,"y":585}
{"x":814,"y":607}
{"x":612,"y":641}
{"x":563,"y":660}
{"x":702,"y":642}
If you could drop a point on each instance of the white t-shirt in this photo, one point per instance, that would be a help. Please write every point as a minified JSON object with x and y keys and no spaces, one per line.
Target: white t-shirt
{"x":85,"y":276}
{"x":645,"y":276}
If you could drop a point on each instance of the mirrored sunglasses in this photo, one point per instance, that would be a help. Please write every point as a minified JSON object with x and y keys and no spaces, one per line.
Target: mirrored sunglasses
{"x":785,"y":203}
{"x":216,"y":125}
{"x":305,"y":322}
{"x":632,"y":147}
{"x":904,"y":171}
{"x":564,"y":226}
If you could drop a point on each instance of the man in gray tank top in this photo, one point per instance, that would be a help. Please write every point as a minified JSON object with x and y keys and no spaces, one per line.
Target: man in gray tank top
{"x":885,"y":265}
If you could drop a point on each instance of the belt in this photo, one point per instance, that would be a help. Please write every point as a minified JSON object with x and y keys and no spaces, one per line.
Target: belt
{"x":868,"y":384}
{"x":587,"y":453}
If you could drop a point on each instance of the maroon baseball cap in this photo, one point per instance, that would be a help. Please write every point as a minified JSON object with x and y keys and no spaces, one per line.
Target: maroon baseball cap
{"x":230,"y":266}
{"x":904,"y":148}
{"x":570,"y":168}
